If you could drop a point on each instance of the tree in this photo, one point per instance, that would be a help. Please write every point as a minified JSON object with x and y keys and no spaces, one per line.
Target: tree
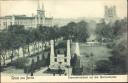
{"x":75,"y":63}
{"x":103,"y":66}
{"x":119,"y":56}
{"x":48,"y":59}
{"x":109,"y":31}
{"x":16,"y":38}
{"x":21,"y":63}
{"x":81,"y":33}
{"x":38,"y":63}
{"x":30,"y":38}
{"x":32,"y":67}
{"x":117,"y":63}
{"x":3,"y":45}
{"x":74,"y":60}
{"x":75,"y":31}
{"x":43,"y":60}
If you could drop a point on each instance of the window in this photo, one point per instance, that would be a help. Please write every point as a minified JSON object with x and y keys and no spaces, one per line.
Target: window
{"x":4,"y":23}
{"x":65,"y":60}
{"x":55,"y":59}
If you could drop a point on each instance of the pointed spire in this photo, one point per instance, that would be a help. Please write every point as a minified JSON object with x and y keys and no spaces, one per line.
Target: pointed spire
{"x":43,"y":6}
{"x":38,"y":8}
{"x":77,"y":50}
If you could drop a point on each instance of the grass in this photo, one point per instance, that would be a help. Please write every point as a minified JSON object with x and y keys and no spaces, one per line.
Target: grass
{"x":99,"y":53}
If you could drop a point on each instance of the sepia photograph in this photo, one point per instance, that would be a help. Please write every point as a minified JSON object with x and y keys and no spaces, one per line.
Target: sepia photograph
{"x":65,"y":38}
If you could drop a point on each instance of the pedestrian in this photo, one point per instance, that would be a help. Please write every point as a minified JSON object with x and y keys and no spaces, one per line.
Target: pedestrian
{"x":31,"y":73}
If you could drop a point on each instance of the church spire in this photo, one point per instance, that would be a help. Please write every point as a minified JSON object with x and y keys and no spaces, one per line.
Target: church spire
{"x":38,"y":8}
{"x":43,"y":6}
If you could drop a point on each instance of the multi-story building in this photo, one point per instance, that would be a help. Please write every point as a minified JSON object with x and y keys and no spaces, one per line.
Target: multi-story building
{"x":33,"y":21}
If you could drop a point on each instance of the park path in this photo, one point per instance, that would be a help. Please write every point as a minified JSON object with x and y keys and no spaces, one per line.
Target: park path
{"x":43,"y":69}
{"x":41,"y":72}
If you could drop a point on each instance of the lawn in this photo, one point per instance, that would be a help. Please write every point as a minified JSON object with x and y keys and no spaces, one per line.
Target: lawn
{"x":99,"y":53}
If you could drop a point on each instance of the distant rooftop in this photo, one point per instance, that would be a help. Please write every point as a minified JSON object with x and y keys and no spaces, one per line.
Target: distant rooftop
{"x":21,"y":17}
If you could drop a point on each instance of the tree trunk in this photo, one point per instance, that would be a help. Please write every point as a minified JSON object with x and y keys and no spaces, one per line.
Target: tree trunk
{"x":18,"y":53}
{"x":28,"y":50}
{"x":23,"y":52}
{"x":5,"y":55}
{"x":3,"y":58}
{"x":0,"y":58}
{"x":38,"y":47}
{"x":45,"y":45}
{"x":34,"y":48}
{"x":42,"y":45}
{"x":12,"y":56}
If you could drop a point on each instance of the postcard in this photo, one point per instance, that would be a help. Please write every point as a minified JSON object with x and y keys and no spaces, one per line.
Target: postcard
{"x":63,"y":41}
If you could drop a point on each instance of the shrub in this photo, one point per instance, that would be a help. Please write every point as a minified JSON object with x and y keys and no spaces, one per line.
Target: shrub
{"x":110,"y":45}
{"x":77,"y":71}
{"x":103,"y":66}
{"x":61,"y":45}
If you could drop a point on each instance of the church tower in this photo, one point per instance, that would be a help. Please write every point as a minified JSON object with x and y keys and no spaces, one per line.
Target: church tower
{"x":43,"y":10}
{"x":38,"y":9}
{"x":40,"y":18}
{"x":42,"y":15}
{"x":110,"y":14}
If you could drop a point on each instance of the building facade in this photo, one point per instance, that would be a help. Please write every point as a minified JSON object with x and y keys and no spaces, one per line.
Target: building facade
{"x":33,"y":21}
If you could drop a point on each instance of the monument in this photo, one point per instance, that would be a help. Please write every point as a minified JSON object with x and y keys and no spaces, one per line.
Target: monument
{"x":77,"y":50}
{"x":59,"y":60}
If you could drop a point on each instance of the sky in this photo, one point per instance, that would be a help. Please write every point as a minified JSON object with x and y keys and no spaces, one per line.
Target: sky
{"x":63,"y":8}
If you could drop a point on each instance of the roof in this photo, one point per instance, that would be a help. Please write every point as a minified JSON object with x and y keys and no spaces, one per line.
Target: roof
{"x":6,"y":17}
{"x":48,"y":18}
{"x":22,"y":17}
{"x":17,"y":17}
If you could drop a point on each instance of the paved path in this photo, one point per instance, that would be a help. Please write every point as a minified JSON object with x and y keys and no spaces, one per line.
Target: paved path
{"x":43,"y":69}
{"x":40,"y":72}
